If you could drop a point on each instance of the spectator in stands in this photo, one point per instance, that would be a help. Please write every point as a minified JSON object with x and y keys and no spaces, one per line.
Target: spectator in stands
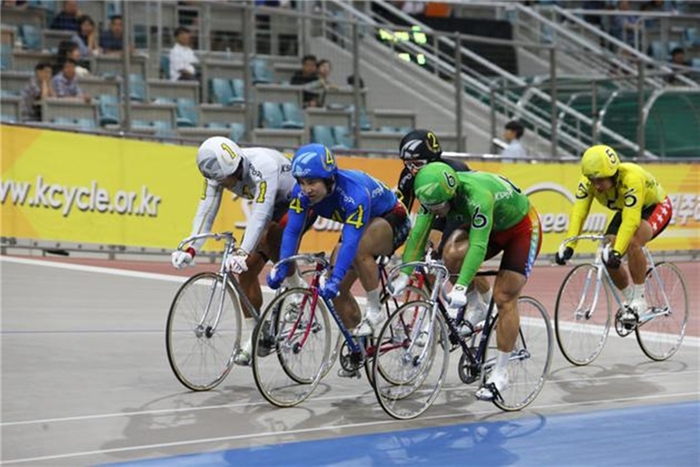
{"x":323,"y":69}
{"x":182,"y":57}
{"x":67,"y":19}
{"x":65,"y":83}
{"x":626,"y":26}
{"x":351,"y":81}
{"x":86,"y":37}
{"x":38,"y":88}
{"x":677,"y":58}
{"x":513,"y":132}
{"x":112,"y":40}
{"x":66,"y":50}
{"x":307,"y":74}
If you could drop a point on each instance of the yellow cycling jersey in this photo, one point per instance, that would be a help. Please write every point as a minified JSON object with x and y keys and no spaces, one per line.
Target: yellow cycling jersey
{"x":635,"y":190}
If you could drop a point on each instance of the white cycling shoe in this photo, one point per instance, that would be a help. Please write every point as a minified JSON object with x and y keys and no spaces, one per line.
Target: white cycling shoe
{"x":496,"y":383}
{"x":638,"y":304}
{"x":243,"y":356}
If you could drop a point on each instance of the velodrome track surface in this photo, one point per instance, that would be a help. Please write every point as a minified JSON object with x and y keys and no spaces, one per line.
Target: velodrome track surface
{"x":85,"y":381}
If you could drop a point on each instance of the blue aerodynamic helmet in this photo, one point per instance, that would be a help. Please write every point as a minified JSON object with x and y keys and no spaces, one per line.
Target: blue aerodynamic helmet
{"x":314,"y":161}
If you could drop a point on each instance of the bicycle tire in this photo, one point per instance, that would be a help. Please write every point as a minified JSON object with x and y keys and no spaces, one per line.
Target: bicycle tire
{"x":284,"y":380}
{"x":400,"y":371}
{"x":204,"y":288}
{"x":582,"y":333}
{"x":662,"y":336}
{"x":531,"y":358}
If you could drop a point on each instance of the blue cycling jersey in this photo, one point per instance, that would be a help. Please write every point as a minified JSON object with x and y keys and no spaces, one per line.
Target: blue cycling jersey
{"x":356,"y":199}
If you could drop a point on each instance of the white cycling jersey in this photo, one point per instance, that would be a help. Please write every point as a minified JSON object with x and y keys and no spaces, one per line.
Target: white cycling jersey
{"x":267,"y":181}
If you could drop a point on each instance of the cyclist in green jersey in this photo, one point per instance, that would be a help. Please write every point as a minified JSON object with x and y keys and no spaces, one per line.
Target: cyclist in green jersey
{"x":500,"y":219}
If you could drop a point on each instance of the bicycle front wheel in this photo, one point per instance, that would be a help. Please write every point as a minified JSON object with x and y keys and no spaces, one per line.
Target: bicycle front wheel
{"x":299,"y":336}
{"x":203,"y":331}
{"x":581,"y":322}
{"x":411,"y":361}
{"x":530,"y":359}
{"x":662,"y":326}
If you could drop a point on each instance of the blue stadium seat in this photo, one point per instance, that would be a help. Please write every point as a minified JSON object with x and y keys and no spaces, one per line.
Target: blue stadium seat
{"x":8,"y":119}
{"x":271,"y":115}
{"x":137,"y":87}
{"x":85,"y":123}
{"x":31,"y":37}
{"x":343,"y":136}
{"x":5,"y":58}
{"x":108,"y":109}
{"x":695,"y":63}
{"x":164,"y":66}
{"x":237,"y":131}
{"x":293,"y":116}
{"x":323,"y":134}
{"x":221,"y":91}
{"x":656,"y":51}
{"x":365,"y":125}
{"x":261,"y":71}
{"x":186,"y":113}
{"x":8,"y":93}
{"x":238,"y":87}
{"x":63,"y":121}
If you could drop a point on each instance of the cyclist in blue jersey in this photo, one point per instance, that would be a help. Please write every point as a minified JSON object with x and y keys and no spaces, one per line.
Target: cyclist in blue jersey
{"x":375,"y":223}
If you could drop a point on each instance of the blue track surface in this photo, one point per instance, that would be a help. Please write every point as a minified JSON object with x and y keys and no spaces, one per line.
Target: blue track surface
{"x":665,"y":435}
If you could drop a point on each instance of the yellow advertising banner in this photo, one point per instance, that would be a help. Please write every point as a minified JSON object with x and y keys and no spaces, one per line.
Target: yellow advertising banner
{"x":60,"y":186}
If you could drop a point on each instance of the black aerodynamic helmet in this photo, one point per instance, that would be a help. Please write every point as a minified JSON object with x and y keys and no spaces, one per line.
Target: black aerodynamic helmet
{"x":420,"y":145}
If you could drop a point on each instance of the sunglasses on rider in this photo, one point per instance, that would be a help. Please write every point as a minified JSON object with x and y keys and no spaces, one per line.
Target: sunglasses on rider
{"x":415,"y":164}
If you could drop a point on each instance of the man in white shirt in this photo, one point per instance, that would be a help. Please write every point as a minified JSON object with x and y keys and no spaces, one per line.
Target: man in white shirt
{"x":513,"y":132}
{"x":182,"y":57}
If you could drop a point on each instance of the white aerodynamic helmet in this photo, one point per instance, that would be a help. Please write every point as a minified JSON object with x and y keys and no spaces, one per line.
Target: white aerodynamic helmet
{"x":218,"y":158}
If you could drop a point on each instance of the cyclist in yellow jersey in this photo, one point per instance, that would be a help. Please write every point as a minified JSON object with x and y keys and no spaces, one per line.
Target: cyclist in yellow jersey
{"x":643,"y":212}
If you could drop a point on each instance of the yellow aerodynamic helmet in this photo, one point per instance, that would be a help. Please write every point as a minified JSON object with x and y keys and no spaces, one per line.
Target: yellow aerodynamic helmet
{"x":599,"y":162}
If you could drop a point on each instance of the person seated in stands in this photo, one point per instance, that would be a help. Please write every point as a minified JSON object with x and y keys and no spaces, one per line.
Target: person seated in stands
{"x":112,"y":40}
{"x":66,"y":50}
{"x":86,"y":37}
{"x":625,"y":25}
{"x":67,"y":19}
{"x":182,"y":57}
{"x":37,"y":89}
{"x":307,"y":74}
{"x":513,"y":132}
{"x":65,"y":83}
{"x":677,"y":58}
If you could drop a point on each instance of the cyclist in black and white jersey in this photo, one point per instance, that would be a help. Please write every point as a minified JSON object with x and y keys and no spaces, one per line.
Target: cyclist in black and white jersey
{"x":262,"y":176}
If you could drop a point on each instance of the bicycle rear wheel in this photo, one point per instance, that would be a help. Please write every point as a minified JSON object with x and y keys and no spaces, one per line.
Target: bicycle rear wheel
{"x":411,"y":361}
{"x":580,"y":325}
{"x":530,"y":359}
{"x":662,"y":327}
{"x":200,"y":349}
{"x":299,"y":336}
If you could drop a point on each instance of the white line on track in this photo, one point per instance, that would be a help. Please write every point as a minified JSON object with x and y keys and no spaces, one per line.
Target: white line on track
{"x":327,"y":398}
{"x":333,"y":428}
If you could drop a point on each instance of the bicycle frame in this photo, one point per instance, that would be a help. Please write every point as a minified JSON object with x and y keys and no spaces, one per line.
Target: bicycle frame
{"x":226,"y":276}
{"x":602,"y":272}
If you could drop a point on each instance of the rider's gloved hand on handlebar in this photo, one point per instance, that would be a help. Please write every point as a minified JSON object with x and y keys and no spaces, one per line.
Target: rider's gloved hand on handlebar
{"x":330,"y":289}
{"x":458,"y":296}
{"x":566,"y":256}
{"x":613,"y":259}
{"x":276,"y":276}
{"x":236,"y":263}
{"x":398,"y":285}
{"x":182,"y":258}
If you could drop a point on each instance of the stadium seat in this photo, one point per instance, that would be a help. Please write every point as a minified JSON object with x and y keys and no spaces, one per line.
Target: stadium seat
{"x":695,"y":63}
{"x":365,"y":125}
{"x":108,"y":110}
{"x":221,"y":91}
{"x":186,"y":113}
{"x":323,"y":134}
{"x":238,"y":86}
{"x":85,"y":123}
{"x":164,"y":66}
{"x":343,"y":137}
{"x":261,"y":72}
{"x":8,"y":119}
{"x":137,"y":87}
{"x":31,"y":37}
{"x":237,"y":131}
{"x":293,"y":116}
{"x":5,"y":58}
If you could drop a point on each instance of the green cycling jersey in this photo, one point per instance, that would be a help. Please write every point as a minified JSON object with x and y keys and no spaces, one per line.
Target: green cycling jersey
{"x":486,"y":203}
